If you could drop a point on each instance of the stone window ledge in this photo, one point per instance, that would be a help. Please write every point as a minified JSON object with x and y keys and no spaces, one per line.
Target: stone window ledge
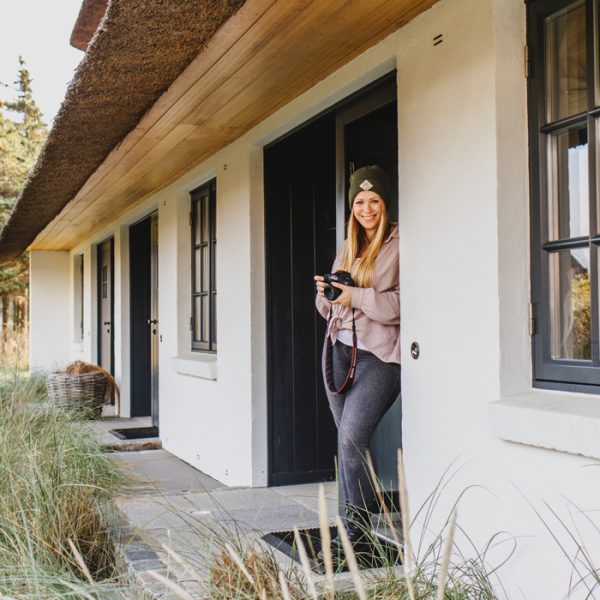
{"x":203,"y":366}
{"x":555,"y":420}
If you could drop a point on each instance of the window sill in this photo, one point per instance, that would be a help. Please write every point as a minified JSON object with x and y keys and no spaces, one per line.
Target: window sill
{"x":554,"y":420}
{"x":203,"y":366}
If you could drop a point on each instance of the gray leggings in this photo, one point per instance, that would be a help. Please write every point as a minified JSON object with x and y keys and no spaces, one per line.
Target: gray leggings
{"x":357,"y":414}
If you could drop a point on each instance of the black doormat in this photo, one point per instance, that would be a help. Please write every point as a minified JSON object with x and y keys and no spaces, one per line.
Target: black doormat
{"x":382,"y":554}
{"x":135,"y":433}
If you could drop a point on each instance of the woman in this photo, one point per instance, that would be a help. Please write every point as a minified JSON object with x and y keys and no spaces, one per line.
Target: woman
{"x":372,"y":308}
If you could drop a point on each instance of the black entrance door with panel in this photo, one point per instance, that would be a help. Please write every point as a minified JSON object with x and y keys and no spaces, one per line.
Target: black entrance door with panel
{"x":106,"y":309}
{"x":143,"y":270}
{"x":305,"y":211}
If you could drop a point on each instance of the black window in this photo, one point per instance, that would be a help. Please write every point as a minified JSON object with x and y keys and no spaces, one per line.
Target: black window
{"x":564,"y":108}
{"x":204,"y":283}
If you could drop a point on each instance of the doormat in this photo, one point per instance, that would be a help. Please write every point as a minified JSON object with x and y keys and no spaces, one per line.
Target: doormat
{"x":383,"y":554}
{"x":135,"y":433}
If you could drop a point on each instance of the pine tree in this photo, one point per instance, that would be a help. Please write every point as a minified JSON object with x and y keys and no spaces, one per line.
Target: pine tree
{"x":22,"y":133}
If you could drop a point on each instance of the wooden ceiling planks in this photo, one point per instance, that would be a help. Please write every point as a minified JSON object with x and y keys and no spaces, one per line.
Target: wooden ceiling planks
{"x":267,"y":54}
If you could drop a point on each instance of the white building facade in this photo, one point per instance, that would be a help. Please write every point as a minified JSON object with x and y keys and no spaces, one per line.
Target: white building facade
{"x":470,"y":400}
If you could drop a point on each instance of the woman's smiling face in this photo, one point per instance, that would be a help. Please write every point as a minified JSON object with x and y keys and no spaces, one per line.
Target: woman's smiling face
{"x":368,"y":208}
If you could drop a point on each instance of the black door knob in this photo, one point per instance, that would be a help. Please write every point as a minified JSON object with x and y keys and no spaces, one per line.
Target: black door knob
{"x":415,"y":351}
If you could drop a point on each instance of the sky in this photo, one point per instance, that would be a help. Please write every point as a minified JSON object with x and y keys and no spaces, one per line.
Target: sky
{"x":39,"y":31}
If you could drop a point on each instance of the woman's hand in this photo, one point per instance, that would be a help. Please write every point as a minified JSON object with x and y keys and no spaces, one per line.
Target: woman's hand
{"x":345,"y":298}
{"x":320,"y":283}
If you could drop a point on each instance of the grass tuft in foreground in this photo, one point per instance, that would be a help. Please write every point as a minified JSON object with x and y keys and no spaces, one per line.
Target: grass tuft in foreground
{"x":56,"y":518}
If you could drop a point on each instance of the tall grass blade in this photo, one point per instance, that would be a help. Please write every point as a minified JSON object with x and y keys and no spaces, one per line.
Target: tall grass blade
{"x":182,"y":563}
{"x":285,"y":590}
{"x":445,"y":566}
{"x":326,"y":541}
{"x":176,"y":589}
{"x":408,"y":553}
{"x":79,"y":590}
{"x":382,"y":505}
{"x":80,"y":561}
{"x":305,"y":564}
{"x":240,"y":563}
{"x":351,"y":560}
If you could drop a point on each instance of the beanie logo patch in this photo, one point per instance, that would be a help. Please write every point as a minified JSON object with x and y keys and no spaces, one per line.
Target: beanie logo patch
{"x":366,"y":185}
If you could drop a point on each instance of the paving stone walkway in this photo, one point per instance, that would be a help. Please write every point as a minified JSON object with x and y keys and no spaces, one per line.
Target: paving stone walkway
{"x":175,"y":513}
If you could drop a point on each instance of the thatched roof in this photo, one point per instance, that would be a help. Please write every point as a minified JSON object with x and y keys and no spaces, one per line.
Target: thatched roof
{"x":90,"y":15}
{"x":137,"y":51}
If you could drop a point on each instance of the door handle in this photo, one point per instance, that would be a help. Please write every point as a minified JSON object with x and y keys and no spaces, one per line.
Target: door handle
{"x":152,"y":321}
{"x":106,"y":322}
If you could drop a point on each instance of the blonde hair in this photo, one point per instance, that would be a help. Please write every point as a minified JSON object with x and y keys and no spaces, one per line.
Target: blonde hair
{"x":356,"y":244}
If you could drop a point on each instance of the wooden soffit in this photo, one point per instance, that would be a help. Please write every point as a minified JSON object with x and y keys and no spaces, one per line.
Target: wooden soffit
{"x":265,"y":55}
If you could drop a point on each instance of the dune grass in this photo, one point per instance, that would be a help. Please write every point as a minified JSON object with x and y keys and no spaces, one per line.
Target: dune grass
{"x":56,"y":516}
{"x":233,"y":564}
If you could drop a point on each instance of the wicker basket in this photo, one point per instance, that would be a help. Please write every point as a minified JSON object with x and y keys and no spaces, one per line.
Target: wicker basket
{"x":83,"y":393}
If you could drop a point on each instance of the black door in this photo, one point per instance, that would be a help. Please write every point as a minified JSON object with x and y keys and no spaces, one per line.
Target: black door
{"x":305,"y":212}
{"x":106,"y":308}
{"x":300,"y":224}
{"x":143,"y":253}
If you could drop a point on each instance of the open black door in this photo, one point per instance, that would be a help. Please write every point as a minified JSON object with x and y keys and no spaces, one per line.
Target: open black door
{"x":367,"y":134}
{"x":305,"y":212}
{"x":143,"y":289}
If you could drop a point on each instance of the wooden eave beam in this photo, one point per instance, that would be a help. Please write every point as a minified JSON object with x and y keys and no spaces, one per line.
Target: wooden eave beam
{"x":263,"y":57}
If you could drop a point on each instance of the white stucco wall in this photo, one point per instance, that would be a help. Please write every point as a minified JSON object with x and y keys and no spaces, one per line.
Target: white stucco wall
{"x":464,"y":227}
{"x":50,"y":317}
{"x":464,"y":218}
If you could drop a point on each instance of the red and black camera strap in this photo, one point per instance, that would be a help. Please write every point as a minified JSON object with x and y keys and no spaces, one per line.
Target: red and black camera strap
{"x":329,"y":360}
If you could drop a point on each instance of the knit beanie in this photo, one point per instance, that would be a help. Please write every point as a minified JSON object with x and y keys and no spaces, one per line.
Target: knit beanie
{"x":369,"y":179}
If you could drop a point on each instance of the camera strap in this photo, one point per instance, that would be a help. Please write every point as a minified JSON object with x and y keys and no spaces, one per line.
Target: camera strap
{"x":329,"y":360}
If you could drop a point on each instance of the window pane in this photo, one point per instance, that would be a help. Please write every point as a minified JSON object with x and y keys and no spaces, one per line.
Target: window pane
{"x":104,"y":282}
{"x":205,"y":269}
{"x":213,"y":268}
{"x":213,"y":318}
{"x":201,"y":220}
{"x":197,"y":220}
{"x":201,"y":319}
{"x":570,"y":304}
{"x":204,"y":222}
{"x":568,"y":209}
{"x":197,"y":271}
{"x":566,"y":83}
{"x":205,"y":318}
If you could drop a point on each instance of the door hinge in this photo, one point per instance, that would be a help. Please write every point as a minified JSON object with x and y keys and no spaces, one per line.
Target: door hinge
{"x":531,"y":320}
{"x":191,"y":324}
{"x":190,"y":215}
{"x":527,"y":62}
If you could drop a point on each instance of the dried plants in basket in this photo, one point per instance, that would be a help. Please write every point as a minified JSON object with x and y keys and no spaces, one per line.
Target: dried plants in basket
{"x":82,"y":387}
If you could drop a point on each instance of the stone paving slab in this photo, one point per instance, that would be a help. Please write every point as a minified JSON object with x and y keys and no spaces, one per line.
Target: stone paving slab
{"x":235,"y":498}
{"x":150,"y":512}
{"x":270,"y":519}
{"x":308,"y":495}
{"x":162,"y":472}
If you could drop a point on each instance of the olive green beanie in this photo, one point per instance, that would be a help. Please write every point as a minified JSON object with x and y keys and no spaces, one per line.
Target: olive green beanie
{"x":369,"y":179}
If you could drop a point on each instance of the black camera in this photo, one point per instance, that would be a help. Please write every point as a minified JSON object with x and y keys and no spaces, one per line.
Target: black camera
{"x":343,"y":277}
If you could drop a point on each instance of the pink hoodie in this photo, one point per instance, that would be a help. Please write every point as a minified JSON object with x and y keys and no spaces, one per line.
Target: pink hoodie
{"x":378,"y":307}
